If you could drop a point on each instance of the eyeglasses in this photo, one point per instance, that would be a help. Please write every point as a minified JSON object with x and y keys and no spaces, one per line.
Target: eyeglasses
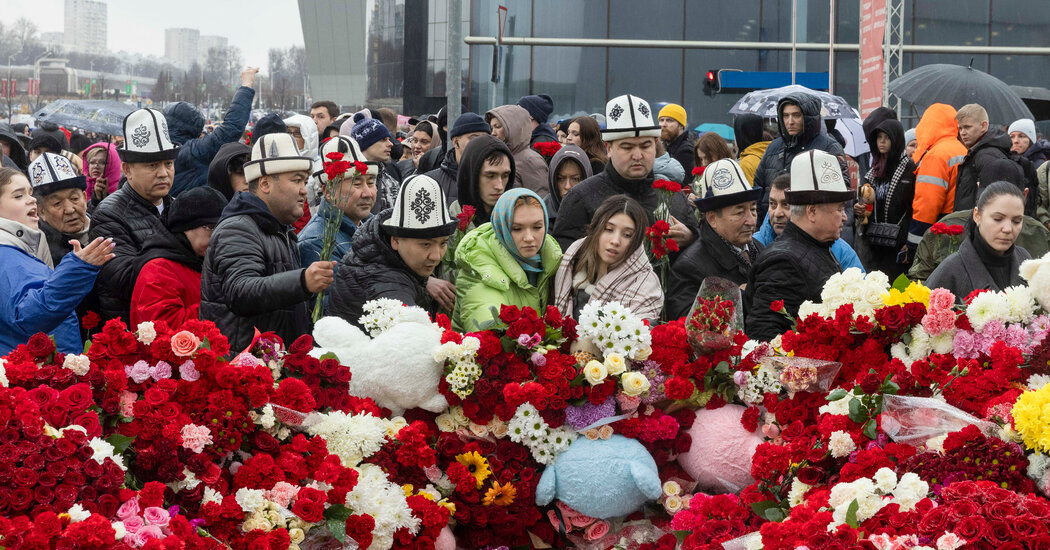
{"x":97,"y":163}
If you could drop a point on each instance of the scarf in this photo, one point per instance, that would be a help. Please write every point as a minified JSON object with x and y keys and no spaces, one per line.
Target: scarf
{"x":502,"y":218}
{"x":745,"y":258}
{"x":902,"y":164}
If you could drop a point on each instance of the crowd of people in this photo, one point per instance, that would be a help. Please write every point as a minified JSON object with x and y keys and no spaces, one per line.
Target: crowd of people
{"x":167,"y":223}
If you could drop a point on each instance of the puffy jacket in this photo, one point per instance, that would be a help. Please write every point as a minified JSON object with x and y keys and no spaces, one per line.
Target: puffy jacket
{"x":129,"y":220}
{"x":252,"y":277}
{"x":488,"y":276}
{"x":581,"y":202}
{"x":844,"y":253}
{"x":566,"y":153}
{"x":681,"y":148}
{"x":963,"y":272}
{"x":33,"y":297}
{"x":1038,"y":153}
{"x":530,"y":169}
{"x":781,"y":151}
{"x":387,"y":185}
{"x":372,"y":270}
{"x":167,"y":281}
{"x":793,"y":269}
{"x":633,"y":283}
{"x":112,"y":171}
{"x":986,"y":162}
{"x":666,"y":167}
{"x":446,"y":175}
{"x":219,"y":169}
{"x":708,"y":256}
{"x":751,"y":157}
{"x":934,"y":248}
{"x":185,"y":124}
{"x":938,"y":156}
{"x":311,"y":238}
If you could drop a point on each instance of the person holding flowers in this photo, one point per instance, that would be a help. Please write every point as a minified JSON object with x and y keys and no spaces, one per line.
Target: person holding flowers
{"x":988,"y":257}
{"x":508,"y":261}
{"x":610,"y":264}
{"x":486,"y":171}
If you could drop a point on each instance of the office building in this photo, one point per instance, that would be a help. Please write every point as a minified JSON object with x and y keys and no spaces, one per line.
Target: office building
{"x":86,"y":28}
{"x":182,"y":46}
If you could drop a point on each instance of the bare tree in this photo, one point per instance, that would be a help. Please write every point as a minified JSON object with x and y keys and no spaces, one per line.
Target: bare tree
{"x":278,"y":67}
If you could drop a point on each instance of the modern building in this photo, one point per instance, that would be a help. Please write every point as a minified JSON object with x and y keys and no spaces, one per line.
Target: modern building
{"x":334,"y":33}
{"x":406,"y":61}
{"x":209,"y":42}
{"x":182,"y":46}
{"x":86,"y":26}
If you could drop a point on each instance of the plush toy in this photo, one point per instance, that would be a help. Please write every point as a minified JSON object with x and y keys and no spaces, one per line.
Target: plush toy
{"x":1037,"y":273}
{"x":601,"y":478}
{"x":719,"y":458}
{"x":446,"y":540}
{"x":867,"y":198}
{"x":396,"y":368}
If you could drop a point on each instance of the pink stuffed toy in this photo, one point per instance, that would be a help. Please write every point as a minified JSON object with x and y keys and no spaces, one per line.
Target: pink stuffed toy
{"x":719,"y":458}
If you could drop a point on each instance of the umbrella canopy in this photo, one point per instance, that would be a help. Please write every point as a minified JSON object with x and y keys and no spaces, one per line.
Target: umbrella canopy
{"x":764,"y":103}
{"x":1037,"y":99}
{"x":853,"y":130}
{"x":957,"y":86}
{"x":723,"y":130}
{"x":91,"y":115}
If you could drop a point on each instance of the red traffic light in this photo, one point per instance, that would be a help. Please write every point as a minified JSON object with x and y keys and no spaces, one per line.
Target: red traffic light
{"x":710,"y":76}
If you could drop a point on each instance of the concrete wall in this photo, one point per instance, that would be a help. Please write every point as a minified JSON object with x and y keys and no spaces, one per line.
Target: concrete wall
{"x":335,"y":35}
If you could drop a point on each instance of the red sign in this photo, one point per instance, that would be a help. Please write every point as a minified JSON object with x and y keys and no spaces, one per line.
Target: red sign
{"x":3,"y":87}
{"x":872,"y":37}
{"x":13,"y":87}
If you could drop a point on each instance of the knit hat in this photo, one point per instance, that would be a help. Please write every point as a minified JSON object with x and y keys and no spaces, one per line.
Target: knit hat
{"x":674,"y":111}
{"x":469,"y":122}
{"x":269,"y":124}
{"x":1026,"y":127}
{"x":539,"y":106}
{"x":275,"y":154}
{"x":909,"y":136}
{"x":194,"y":208}
{"x":724,"y":184}
{"x":351,"y":153}
{"x":51,"y":172}
{"x":46,"y":141}
{"x":367,"y":131}
{"x":146,"y":138}
{"x":628,"y":116}
{"x":419,"y":211}
{"x":816,"y":178}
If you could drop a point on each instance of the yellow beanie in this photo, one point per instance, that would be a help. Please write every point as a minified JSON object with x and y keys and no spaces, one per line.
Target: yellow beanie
{"x":674,"y":111}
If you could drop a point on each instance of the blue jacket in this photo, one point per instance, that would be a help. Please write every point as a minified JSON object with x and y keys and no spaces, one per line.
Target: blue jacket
{"x":843,"y":252}
{"x":33,"y":299}
{"x":311,"y":237}
{"x":185,"y":124}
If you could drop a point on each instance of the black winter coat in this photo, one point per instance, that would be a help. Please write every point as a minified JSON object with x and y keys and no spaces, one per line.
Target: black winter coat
{"x":708,"y":256}
{"x":988,"y":161}
{"x":446,"y":175}
{"x":129,"y":220}
{"x":252,"y":277}
{"x":890,"y":207}
{"x":582,"y":201}
{"x":543,"y":134}
{"x":792,"y":268}
{"x":373,"y":269}
{"x":681,"y":149}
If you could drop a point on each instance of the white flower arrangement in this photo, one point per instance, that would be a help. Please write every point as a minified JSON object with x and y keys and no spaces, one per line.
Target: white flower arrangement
{"x":760,"y":382}
{"x":352,"y":437}
{"x":614,"y":329}
{"x":376,"y":496}
{"x":871,"y":495}
{"x":382,"y":314}
{"x":528,"y":428}
{"x":864,"y":291}
{"x":465,"y":371}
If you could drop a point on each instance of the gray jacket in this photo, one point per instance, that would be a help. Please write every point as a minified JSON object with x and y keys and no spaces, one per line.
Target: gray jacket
{"x":964,"y":272}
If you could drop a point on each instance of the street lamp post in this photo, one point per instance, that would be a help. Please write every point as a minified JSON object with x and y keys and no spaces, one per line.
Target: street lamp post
{"x":10,"y":92}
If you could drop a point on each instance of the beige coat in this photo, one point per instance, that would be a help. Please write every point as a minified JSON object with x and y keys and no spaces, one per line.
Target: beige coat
{"x":530,"y":170}
{"x":633,"y":283}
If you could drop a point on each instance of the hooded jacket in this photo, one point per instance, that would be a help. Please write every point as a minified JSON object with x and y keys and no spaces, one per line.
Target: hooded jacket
{"x":168,"y":280}
{"x":219,"y":169}
{"x":308,"y":129}
{"x":128,"y":219}
{"x":447,"y":177}
{"x":782,"y":151}
{"x":633,"y":283}
{"x":468,"y":180}
{"x":747,"y":130}
{"x":33,"y":297}
{"x":373,"y":269}
{"x":1038,"y":153}
{"x":185,"y":124}
{"x":666,"y":167}
{"x":986,"y":162}
{"x":938,"y":154}
{"x":543,"y":134}
{"x":530,"y":169}
{"x":112,"y":171}
{"x":900,"y":203}
{"x":570,"y":153}
{"x":252,"y":277}
{"x":18,"y":152}
{"x":488,"y":276}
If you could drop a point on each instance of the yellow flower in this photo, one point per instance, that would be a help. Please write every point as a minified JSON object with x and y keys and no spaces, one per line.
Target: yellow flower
{"x":448,"y":505}
{"x":500,"y":495}
{"x":477,"y":465}
{"x":634,"y":384}
{"x":615,"y":364}
{"x":1031,"y":415}
{"x":595,"y":372}
{"x":918,"y":292}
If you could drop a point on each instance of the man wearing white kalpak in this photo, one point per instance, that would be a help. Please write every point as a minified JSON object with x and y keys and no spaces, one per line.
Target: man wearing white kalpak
{"x":795,"y":267}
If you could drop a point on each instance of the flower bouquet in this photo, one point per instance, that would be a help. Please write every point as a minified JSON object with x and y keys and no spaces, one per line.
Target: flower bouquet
{"x":547,"y":149}
{"x":715,"y":317}
{"x":336,"y":169}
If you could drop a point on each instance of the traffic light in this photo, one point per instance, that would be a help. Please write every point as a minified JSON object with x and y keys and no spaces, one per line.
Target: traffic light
{"x":711,"y":85}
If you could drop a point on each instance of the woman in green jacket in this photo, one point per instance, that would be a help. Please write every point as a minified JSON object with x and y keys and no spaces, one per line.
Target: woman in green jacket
{"x":508,"y":261}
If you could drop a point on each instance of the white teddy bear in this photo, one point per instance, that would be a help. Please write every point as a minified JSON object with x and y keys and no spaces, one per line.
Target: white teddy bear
{"x":1037,"y":273}
{"x":396,"y":368}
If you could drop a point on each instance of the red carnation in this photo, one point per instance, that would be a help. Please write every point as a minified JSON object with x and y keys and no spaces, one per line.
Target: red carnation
{"x":90,"y":320}
{"x":465,"y":217}
{"x":777,"y":306}
{"x":334,"y":155}
{"x":359,"y":527}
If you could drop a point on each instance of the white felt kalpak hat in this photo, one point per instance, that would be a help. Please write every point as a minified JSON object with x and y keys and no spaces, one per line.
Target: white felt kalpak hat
{"x":351,"y":153}
{"x":724,"y":184}
{"x":419,"y":211}
{"x":146,"y":138}
{"x":628,"y":116}
{"x":275,"y":154}
{"x":816,"y":178}
{"x":51,"y":172}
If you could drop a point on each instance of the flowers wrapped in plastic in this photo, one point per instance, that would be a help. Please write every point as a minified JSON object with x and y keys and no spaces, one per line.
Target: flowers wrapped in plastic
{"x":715,"y":317}
{"x":803,"y":374}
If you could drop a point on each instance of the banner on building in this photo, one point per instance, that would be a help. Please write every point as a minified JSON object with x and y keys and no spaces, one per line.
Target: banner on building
{"x":872,"y":37}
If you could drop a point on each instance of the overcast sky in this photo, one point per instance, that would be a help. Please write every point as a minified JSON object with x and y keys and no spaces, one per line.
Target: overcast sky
{"x":138,"y":25}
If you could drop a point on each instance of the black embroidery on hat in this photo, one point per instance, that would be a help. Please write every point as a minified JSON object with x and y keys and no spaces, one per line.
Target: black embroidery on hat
{"x":38,"y":173}
{"x":140,"y":137}
{"x":615,"y":112}
{"x":722,"y":179}
{"x":643,"y":109}
{"x":422,"y":205}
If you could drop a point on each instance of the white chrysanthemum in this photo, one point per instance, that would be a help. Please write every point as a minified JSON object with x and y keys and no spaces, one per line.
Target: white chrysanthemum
{"x":985,"y":307}
{"x":1021,"y":303}
{"x":146,"y":332}
{"x":79,"y":364}
{"x":797,"y":492}
{"x":885,"y":479}
{"x":841,"y":444}
{"x":868,"y":506}
{"x":1038,"y":465}
{"x":375,"y":495}
{"x":351,"y":437}
{"x":762,"y":381}
{"x":943,"y":342}
{"x":250,"y":500}
{"x":78,"y":513}
{"x":1037,"y":381}
{"x":614,"y":329}
{"x":384,"y":313}
{"x":3,"y":374}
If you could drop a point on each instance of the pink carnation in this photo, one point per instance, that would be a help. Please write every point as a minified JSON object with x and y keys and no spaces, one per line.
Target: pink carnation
{"x":138,"y":373}
{"x":941,"y":299}
{"x":161,"y":371}
{"x":282,"y":493}
{"x":188,"y":372}
{"x":964,"y":345}
{"x":938,"y":322}
{"x":155,"y":515}
{"x":128,"y":509}
{"x":195,"y":437}
{"x":127,"y":402}
{"x":245,"y":360}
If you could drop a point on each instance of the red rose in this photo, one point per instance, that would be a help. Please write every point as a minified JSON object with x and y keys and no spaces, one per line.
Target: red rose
{"x":76,"y":398}
{"x":934,"y":522}
{"x":509,"y":314}
{"x":301,"y":345}
{"x":465,"y":217}
{"x":308,"y":510}
{"x":998,"y":532}
{"x":891,"y":317}
{"x":40,"y":346}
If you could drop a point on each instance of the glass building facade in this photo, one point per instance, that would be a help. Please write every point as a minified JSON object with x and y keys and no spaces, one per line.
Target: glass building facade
{"x":582,"y":79}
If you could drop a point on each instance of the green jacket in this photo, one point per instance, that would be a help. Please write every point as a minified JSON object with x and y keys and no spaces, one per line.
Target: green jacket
{"x":488,"y":276}
{"x":1043,"y":211}
{"x":933,"y":248}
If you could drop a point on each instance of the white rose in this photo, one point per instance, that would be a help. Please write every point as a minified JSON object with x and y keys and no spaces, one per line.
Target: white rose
{"x":445,"y":423}
{"x":595,"y":372}
{"x":634,"y":384}
{"x":673,"y":504}
{"x":615,"y":364}
{"x":146,"y":333}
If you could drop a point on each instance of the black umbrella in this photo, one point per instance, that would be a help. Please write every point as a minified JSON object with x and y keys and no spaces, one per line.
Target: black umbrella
{"x":91,"y":115}
{"x":957,"y":86}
